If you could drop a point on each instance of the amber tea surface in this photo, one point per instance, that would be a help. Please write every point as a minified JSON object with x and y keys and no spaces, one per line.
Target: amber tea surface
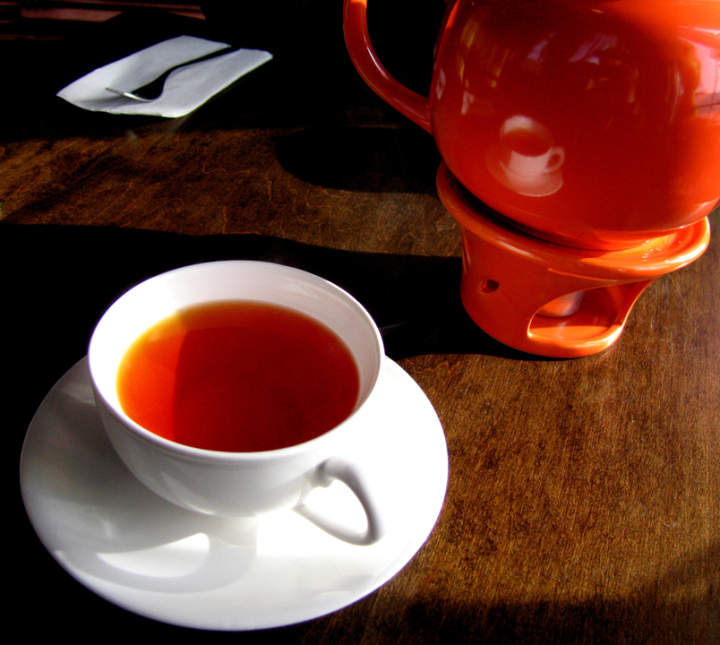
{"x":239,"y":376}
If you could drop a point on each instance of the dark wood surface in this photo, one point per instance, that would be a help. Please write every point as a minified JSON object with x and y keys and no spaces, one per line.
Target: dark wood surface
{"x":583,"y":504}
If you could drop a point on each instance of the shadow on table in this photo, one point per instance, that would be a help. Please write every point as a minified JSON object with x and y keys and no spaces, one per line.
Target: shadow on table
{"x":680,"y":606}
{"x":66,"y":276}
{"x":400,"y":158}
{"x":59,"y":280}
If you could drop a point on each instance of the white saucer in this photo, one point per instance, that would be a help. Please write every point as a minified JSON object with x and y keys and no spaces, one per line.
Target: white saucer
{"x":138,"y":551}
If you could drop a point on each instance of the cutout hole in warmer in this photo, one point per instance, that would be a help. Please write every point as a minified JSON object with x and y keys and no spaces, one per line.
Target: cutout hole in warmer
{"x":488,"y":286}
{"x":602,"y":311}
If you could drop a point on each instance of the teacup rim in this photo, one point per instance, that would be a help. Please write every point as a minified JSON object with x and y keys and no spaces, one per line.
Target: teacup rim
{"x":179,"y":449}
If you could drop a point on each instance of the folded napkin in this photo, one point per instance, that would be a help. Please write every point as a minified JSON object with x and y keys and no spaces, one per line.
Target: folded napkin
{"x":185,"y":89}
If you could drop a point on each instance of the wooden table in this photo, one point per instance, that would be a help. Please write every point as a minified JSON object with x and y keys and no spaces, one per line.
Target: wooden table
{"x":583,"y":504}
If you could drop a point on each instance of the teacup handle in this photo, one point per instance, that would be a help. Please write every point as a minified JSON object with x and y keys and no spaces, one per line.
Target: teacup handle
{"x":556,"y":158}
{"x":357,"y":39}
{"x":348,"y":474}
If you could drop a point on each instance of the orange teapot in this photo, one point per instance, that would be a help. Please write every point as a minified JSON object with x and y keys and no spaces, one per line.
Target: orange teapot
{"x":587,"y":123}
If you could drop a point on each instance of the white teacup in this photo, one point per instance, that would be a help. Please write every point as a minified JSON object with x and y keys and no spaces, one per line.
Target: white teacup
{"x":239,"y":484}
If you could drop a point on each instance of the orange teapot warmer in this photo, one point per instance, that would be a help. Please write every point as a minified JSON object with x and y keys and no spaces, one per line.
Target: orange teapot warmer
{"x":581,"y":154}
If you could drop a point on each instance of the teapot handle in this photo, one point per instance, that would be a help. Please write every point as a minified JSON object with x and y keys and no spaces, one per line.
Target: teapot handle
{"x":357,"y":39}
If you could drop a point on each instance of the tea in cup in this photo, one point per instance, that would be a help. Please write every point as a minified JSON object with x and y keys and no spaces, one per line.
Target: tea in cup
{"x":231,"y":388}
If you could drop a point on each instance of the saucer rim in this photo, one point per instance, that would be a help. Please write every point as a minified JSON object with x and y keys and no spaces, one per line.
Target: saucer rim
{"x":413,"y":539}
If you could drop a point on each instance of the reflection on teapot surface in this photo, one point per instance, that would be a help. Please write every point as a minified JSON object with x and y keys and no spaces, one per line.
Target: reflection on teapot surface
{"x":526,"y":161}
{"x":628,"y":90}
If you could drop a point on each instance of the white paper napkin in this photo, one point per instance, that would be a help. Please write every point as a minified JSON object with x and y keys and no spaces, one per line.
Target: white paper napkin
{"x":185,"y":89}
